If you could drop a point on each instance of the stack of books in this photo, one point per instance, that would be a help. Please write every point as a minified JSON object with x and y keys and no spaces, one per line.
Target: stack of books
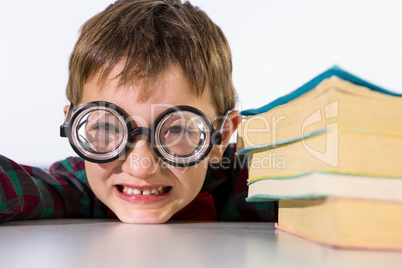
{"x":331,"y":152}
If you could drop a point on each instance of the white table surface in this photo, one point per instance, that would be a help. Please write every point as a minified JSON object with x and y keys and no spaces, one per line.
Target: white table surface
{"x":110,"y":243}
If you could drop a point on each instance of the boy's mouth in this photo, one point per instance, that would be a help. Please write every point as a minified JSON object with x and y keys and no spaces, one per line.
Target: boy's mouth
{"x":160,"y":190}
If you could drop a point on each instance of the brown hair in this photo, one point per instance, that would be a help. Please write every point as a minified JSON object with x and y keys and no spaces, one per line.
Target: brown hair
{"x":148,"y":36}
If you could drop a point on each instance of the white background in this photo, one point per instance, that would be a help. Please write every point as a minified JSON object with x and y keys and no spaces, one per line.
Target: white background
{"x":277,"y":46}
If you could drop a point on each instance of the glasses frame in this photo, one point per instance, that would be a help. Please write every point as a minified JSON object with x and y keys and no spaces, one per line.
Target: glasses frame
{"x":71,"y":115}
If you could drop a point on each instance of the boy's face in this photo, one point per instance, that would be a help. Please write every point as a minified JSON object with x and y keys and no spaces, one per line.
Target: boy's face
{"x":116,"y":183}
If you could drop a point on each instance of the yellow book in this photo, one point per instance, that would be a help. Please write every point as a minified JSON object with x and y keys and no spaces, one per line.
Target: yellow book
{"x":342,"y":222}
{"x":327,"y":101}
{"x":341,"y":150}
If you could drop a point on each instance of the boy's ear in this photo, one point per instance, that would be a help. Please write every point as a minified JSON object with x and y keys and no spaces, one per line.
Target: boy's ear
{"x":232,"y":122}
{"x":66,"y":109}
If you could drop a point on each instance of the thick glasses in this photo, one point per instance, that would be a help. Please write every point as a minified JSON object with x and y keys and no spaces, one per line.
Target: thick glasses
{"x":101,"y":132}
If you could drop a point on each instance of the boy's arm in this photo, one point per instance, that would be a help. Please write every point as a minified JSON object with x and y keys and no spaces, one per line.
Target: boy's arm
{"x":32,"y":193}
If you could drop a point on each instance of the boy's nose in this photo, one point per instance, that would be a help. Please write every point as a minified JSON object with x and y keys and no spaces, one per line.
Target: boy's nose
{"x":141,"y":161}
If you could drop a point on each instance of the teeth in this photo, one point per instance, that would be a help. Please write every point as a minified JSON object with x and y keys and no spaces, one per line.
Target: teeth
{"x":146,"y":192}
{"x":134,"y":191}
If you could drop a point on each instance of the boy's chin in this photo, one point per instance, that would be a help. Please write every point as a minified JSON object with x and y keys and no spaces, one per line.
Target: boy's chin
{"x":143,"y":217}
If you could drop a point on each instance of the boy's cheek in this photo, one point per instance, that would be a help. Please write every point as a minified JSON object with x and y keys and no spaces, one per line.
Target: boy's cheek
{"x":191,"y":178}
{"x":95,"y":170}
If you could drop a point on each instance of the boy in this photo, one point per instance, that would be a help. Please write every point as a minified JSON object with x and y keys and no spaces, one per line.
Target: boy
{"x":151,"y":114}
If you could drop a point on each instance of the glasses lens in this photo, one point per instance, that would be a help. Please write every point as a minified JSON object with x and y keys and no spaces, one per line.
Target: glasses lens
{"x":182,"y":136}
{"x":99,"y":132}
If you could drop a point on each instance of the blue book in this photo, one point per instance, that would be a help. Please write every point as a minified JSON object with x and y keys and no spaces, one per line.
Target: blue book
{"x":334,"y":71}
{"x":335,"y":97}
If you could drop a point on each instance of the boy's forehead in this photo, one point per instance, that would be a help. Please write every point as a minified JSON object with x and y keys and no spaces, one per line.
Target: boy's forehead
{"x":146,"y":89}
{"x":170,"y":87}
